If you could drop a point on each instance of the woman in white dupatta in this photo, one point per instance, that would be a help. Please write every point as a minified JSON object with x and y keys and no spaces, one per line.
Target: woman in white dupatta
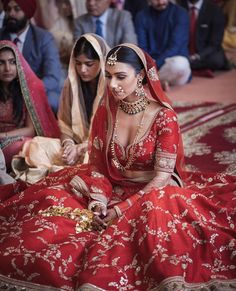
{"x":81,"y":94}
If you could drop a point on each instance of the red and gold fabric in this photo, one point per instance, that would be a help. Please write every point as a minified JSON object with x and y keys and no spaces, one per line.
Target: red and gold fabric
{"x":171,"y":238}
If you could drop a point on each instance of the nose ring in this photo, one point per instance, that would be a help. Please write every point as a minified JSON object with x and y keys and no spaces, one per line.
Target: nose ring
{"x":120,"y":89}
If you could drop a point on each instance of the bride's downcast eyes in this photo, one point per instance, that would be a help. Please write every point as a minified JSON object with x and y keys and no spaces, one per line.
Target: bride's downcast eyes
{"x":118,"y":76}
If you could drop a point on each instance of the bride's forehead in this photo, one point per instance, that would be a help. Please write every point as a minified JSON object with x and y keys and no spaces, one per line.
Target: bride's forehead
{"x":119,"y":67}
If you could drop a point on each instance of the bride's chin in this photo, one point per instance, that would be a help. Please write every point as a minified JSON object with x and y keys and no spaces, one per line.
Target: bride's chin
{"x":118,"y":96}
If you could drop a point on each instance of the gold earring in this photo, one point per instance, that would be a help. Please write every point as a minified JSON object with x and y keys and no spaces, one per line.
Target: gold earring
{"x":139,"y":91}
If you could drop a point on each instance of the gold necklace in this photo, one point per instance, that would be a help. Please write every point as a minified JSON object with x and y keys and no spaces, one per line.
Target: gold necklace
{"x":132,"y":108}
{"x":131,"y":158}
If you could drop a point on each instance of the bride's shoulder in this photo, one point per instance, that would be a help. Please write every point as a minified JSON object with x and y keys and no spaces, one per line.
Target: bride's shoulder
{"x":155,"y":107}
{"x":157,"y":110}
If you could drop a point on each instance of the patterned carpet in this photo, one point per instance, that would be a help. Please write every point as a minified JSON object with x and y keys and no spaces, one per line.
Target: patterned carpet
{"x":209,"y":135}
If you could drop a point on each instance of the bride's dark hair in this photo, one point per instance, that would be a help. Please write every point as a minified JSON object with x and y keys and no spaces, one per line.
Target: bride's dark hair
{"x":128,"y":56}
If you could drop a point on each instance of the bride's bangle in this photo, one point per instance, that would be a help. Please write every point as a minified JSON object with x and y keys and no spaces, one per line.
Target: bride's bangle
{"x":118,"y":211}
{"x":67,"y":141}
{"x":92,"y":205}
{"x":141,"y":192}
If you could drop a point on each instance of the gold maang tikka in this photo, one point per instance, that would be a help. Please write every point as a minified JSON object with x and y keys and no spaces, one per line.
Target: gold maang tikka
{"x":111,"y":61}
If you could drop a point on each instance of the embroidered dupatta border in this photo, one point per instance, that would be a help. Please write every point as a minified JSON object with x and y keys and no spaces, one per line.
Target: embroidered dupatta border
{"x":26,"y":96}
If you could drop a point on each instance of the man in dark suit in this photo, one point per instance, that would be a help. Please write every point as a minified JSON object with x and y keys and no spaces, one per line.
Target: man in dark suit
{"x":36,"y":44}
{"x":206,"y":35}
{"x":163,"y":31}
{"x":115,"y":26}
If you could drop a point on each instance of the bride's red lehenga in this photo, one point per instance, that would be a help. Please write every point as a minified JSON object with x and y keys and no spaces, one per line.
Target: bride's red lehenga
{"x":178,"y":238}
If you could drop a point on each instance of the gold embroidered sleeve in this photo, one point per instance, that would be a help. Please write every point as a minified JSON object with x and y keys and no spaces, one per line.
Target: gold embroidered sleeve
{"x":165,"y":162}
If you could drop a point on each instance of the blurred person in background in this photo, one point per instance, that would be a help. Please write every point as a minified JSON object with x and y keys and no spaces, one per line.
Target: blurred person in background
{"x":36,"y":44}
{"x":114,"y":25}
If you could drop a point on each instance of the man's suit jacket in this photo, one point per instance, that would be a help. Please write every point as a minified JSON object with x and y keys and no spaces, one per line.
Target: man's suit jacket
{"x":41,"y":53}
{"x":163,"y":34}
{"x":209,"y":29}
{"x":119,"y":27}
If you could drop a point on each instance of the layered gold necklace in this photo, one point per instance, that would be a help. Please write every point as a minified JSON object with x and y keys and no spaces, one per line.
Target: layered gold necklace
{"x":132,"y":108}
{"x":115,"y":160}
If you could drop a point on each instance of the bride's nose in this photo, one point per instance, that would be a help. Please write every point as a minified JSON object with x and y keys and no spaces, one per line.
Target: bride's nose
{"x":113,"y":83}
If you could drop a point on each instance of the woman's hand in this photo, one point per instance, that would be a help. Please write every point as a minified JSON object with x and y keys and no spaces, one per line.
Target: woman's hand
{"x":72,"y":153}
{"x":81,"y":149}
{"x":111,"y":215}
{"x":98,"y":223}
{"x":69,"y":154}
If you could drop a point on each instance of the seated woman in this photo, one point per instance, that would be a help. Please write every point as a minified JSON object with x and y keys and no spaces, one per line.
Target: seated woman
{"x":80,"y":96}
{"x":24,"y":107}
{"x":124,"y":221}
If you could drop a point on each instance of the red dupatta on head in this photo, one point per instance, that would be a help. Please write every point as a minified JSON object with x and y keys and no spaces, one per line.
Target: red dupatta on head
{"x":104,"y":121}
{"x":34,"y":95}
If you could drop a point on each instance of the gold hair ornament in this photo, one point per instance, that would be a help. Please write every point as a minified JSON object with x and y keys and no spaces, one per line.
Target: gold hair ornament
{"x":111,"y":61}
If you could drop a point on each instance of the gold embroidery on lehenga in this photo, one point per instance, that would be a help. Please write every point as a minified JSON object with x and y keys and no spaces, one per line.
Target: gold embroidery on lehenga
{"x":97,"y":174}
{"x":83,"y":217}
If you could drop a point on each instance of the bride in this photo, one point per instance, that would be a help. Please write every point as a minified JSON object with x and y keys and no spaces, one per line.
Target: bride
{"x":130,"y":219}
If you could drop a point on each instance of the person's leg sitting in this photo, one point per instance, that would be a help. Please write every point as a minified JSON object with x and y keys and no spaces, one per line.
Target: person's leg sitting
{"x":175,"y":71}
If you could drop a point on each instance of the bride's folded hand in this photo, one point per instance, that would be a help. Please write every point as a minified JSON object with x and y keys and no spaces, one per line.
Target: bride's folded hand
{"x":111,"y":215}
{"x":98,"y":223}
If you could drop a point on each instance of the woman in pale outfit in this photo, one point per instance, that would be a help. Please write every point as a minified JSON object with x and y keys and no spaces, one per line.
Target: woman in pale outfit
{"x":57,"y":16}
{"x":80,"y":97}
{"x":47,"y":12}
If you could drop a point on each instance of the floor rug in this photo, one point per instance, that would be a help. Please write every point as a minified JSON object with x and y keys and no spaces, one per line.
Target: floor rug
{"x":209,"y":135}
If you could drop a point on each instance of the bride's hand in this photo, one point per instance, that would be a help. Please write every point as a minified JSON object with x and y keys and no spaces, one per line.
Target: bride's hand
{"x":111,"y":215}
{"x":98,"y":223}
